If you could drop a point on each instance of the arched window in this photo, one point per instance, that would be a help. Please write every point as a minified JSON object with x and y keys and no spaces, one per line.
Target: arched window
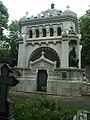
{"x":51,"y":32}
{"x":58,"y":31}
{"x":44,"y":32}
{"x":30,"y":33}
{"x":37,"y":33}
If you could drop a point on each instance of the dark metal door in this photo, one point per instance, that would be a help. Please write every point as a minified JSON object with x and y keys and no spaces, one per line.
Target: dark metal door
{"x":41,"y":80}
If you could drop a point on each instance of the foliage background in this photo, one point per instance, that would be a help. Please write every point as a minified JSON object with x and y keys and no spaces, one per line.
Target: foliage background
{"x":8,"y":43}
{"x":84,"y":23}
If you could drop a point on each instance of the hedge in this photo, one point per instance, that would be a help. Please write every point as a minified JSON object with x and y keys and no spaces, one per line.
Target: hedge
{"x":40,"y":109}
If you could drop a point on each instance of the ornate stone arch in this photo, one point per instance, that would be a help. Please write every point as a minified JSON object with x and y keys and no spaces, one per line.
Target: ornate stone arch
{"x":50,"y":54}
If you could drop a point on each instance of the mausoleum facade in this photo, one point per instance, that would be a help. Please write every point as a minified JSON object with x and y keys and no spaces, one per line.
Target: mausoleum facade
{"x":44,"y":61}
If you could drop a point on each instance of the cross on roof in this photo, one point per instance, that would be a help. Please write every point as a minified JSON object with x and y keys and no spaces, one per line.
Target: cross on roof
{"x":52,"y":6}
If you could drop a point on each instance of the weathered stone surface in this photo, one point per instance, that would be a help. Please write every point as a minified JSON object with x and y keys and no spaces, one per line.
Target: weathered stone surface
{"x":45,"y":46}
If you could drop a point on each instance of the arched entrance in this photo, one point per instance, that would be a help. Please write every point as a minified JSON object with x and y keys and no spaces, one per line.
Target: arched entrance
{"x":41,"y":80}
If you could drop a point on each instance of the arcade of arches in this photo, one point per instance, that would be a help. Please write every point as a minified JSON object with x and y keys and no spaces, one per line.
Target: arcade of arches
{"x":44,"y":32}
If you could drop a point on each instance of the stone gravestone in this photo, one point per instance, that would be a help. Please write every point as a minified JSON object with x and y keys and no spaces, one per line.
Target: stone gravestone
{"x":81,"y":115}
{"x":6,"y":80}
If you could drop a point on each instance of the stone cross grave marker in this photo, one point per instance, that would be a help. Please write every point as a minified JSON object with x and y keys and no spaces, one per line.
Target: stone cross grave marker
{"x":6,"y":80}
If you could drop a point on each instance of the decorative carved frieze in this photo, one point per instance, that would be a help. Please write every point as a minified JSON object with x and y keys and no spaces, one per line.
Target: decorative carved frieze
{"x":30,"y":72}
{"x":54,"y":73}
{"x":29,"y":23}
{"x":42,"y":65}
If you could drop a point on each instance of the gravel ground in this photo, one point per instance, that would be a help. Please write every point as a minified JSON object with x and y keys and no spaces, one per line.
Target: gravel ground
{"x":80,"y":102}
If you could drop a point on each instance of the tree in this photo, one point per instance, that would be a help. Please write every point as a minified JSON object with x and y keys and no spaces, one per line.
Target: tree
{"x":13,"y":35}
{"x":3,"y":19}
{"x":85,"y":37}
{"x":7,"y":44}
{"x":4,"y":46}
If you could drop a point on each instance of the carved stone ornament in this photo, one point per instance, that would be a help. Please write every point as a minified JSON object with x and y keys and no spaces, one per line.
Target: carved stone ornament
{"x":54,"y":73}
{"x":42,"y":63}
{"x":30,"y":72}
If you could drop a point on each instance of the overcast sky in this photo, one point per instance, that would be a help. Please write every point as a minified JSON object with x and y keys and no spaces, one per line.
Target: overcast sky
{"x":18,"y":8}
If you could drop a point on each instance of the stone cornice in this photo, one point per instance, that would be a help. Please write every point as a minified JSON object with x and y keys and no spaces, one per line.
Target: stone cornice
{"x":44,"y":38}
{"x":47,"y":40}
{"x":62,"y":18}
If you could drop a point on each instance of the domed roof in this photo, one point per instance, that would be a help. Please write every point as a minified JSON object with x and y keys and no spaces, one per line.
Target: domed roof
{"x":69,"y":12}
{"x":51,"y":13}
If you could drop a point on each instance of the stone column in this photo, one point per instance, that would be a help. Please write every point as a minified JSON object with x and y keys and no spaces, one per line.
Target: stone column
{"x":65,"y":50}
{"x":80,"y":48}
{"x":22,"y":50}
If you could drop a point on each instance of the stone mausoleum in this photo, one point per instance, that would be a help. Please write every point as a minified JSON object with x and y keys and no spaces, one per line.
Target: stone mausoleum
{"x":49,"y":54}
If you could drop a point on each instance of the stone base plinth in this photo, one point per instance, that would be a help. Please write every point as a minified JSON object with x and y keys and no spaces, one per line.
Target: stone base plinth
{"x":60,"y":81}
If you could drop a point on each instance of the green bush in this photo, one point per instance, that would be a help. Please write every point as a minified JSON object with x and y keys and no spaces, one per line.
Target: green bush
{"x":41,"y":109}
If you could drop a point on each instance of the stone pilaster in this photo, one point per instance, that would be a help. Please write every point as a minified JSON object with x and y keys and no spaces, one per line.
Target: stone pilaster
{"x":48,"y":31}
{"x":33,"y":31}
{"x":40,"y":32}
{"x":80,"y":48}
{"x":55,"y":31}
{"x":22,"y":51}
{"x":65,"y":50}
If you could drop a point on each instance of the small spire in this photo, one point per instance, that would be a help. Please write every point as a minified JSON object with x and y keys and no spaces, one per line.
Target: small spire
{"x":68,"y":7}
{"x":43,"y":53}
{"x":52,"y":6}
{"x":26,"y":14}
